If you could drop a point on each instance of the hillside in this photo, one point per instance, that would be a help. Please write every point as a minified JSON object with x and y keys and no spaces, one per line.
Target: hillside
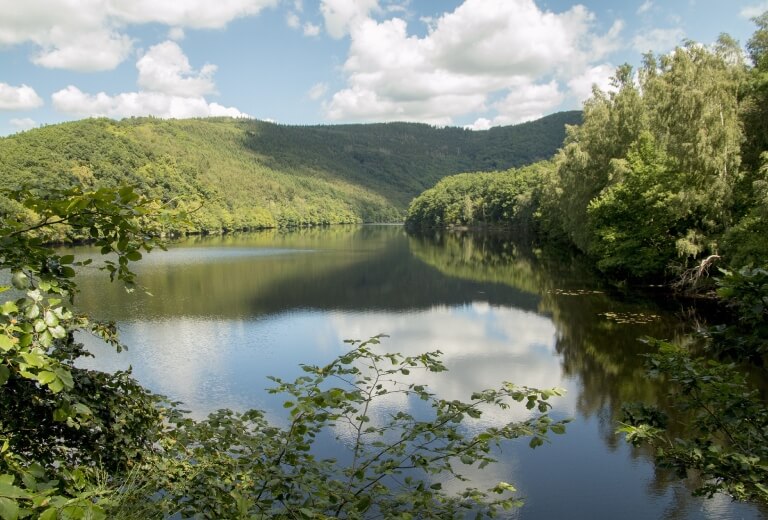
{"x":251,"y":174}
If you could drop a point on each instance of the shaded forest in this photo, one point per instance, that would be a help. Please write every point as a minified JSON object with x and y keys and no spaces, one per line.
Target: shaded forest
{"x":669,"y":168}
{"x":244,"y":174}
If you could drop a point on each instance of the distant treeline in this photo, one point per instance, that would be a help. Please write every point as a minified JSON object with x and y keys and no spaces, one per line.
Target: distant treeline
{"x":669,"y":167}
{"x":230,"y":174}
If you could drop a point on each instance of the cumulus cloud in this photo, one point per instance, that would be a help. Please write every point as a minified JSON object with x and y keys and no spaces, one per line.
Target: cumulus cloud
{"x":528,"y":103}
{"x":23,"y":123}
{"x":341,"y":15}
{"x":18,"y":98}
{"x":200,"y":14}
{"x":86,"y":52}
{"x":171,"y":88}
{"x":73,"y":101}
{"x":89,"y":36}
{"x":176,"y":33}
{"x":658,"y":40}
{"x":482,"y":49}
{"x":600,"y":76}
{"x":166,"y":69}
{"x":522,"y":103}
{"x":752,"y":11}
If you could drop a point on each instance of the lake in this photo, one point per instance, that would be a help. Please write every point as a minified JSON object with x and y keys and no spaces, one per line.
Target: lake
{"x":226,"y":312}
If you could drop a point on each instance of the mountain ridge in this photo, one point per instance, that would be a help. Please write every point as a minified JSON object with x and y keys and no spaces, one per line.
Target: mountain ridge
{"x":255,"y":174}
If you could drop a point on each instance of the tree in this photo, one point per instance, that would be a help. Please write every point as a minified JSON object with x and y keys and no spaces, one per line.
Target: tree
{"x":723,"y":416}
{"x":632,"y":219}
{"x":59,"y":424}
{"x":78,"y":443}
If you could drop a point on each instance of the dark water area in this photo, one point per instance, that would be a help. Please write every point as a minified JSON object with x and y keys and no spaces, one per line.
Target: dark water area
{"x":226,"y":312}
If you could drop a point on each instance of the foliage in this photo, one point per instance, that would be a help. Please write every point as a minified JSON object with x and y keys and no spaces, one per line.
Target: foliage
{"x":745,"y":292}
{"x":667,"y":168}
{"x":725,"y":417}
{"x":624,"y":238}
{"x":77,"y":443}
{"x":60,"y":424}
{"x":241,"y":466}
{"x":242,"y":174}
{"x":725,"y":420}
{"x":507,"y":199}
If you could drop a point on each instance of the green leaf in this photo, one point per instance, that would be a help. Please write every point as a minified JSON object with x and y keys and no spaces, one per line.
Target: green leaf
{"x":19,"y":280}
{"x":8,"y":308}
{"x":6,"y":343}
{"x":45,"y":377}
{"x":49,"y":514}
{"x":9,"y":509}
{"x":559,"y":429}
{"x":363,"y":503}
{"x":65,"y":376}
{"x":50,"y":319}
{"x":5,"y":373}
{"x":58,"y":332}
{"x":11,"y":491}
{"x":33,"y":312}
{"x":33,"y":359}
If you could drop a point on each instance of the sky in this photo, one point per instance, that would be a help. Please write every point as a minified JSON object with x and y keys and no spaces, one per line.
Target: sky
{"x":470,"y":63}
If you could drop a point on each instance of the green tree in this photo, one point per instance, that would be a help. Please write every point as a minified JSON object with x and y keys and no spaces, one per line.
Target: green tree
{"x":77,"y":443}
{"x":722,"y":413}
{"x":633,"y":218}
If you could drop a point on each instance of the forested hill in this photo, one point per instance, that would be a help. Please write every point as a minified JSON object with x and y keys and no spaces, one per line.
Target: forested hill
{"x":250,"y":173}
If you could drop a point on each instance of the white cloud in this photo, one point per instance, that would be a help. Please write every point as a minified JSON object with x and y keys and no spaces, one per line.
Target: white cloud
{"x":176,"y":33}
{"x":166,"y":69}
{"x":23,"y":124}
{"x":528,"y":102}
{"x":481,"y":123}
{"x":86,"y":52}
{"x":658,"y":40}
{"x":341,"y":15}
{"x":483,"y":48}
{"x":645,"y":7}
{"x":73,"y":101}
{"x":317,"y":91}
{"x":397,"y":7}
{"x":751,"y":11}
{"x":311,"y":29}
{"x":581,"y":86}
{"x":170,"y":89}
{"x":189,"y":13}
{"x":522,"y":103}
{"x":18,"y":98}
{"x":293,"y":20}
{"x":88,"y":35}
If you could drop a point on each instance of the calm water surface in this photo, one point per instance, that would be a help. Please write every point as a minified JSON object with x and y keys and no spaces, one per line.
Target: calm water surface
{"x":227,"y":312}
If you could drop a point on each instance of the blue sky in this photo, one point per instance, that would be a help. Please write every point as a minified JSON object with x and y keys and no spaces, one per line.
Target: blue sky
{"x":475,"y":63}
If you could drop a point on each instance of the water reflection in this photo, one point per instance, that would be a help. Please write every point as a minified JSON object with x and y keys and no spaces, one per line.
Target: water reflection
{"x":227,"y":312}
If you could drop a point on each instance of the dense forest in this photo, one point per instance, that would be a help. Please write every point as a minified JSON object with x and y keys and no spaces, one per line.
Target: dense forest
{"x":669,"y":167}
{"x":668,"y":170}
{"x":243,"y":174}
{"x":666,"y":178}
